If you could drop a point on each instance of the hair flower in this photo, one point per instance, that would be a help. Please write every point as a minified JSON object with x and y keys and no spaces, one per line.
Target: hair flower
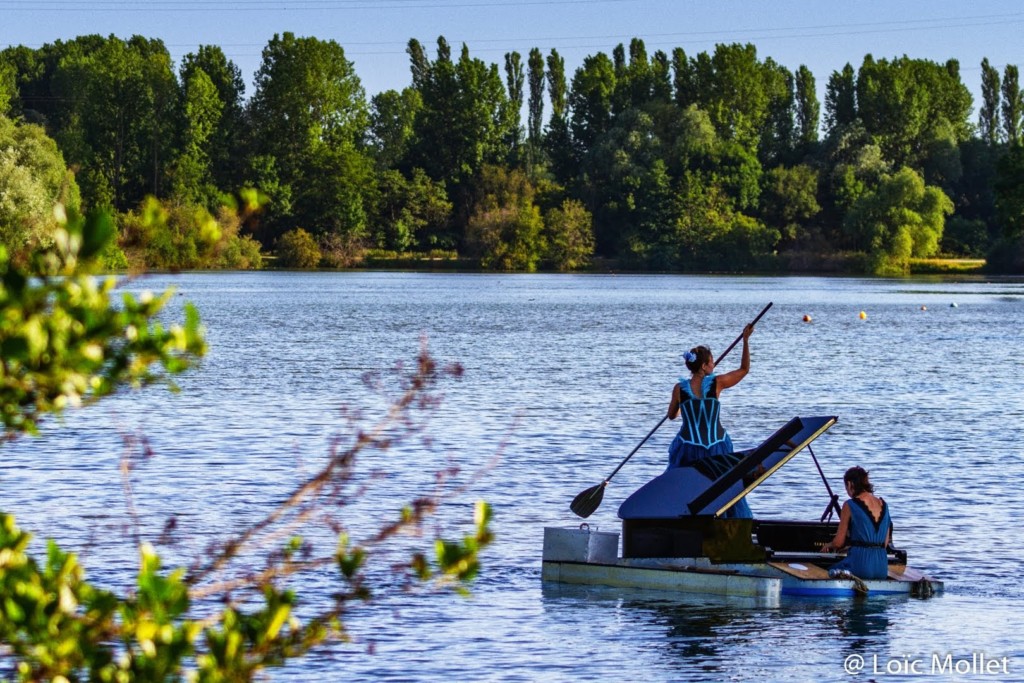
{"x":689,"y":356}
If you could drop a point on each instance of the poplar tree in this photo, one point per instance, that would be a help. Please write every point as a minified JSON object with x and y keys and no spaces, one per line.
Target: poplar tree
{"x":841,"y":99}
{"x":808,"y":110}
{"x":556,"y":84}
{"x":535,"y":106}
{"x":682,"y":79}
{"x":988,"y":116}
{"x":661,"y":77}
{"x":514,"y":80}
{"x":558,"y":141}
{"x":1013,"y":104}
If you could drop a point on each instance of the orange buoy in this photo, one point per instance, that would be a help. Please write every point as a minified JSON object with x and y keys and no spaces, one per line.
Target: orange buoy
{"x":807,"y":318}
{"x":863,"y":315}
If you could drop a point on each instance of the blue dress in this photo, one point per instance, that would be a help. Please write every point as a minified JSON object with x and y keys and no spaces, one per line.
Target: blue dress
{"x":701,"y":433}
{"x":866,"y":558}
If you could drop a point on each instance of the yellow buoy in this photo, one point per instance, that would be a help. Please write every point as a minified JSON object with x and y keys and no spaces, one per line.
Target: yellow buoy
{"x":863,"y":315}
{"x":807,"y":318}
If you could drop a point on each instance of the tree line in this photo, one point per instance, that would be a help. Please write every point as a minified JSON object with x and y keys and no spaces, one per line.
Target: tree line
{"x":663,"y":161}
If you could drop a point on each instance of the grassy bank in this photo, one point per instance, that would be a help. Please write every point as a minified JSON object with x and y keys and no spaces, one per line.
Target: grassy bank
{"x":947,"y":266}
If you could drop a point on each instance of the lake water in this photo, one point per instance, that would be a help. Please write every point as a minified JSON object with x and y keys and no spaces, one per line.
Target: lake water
{"x":563,"y":376}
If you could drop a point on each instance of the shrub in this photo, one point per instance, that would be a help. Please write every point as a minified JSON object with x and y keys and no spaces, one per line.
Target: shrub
{"x":298,"y":249}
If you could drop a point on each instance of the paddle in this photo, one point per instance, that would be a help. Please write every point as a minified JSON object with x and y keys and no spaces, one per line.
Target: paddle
{"x":584,"y":504}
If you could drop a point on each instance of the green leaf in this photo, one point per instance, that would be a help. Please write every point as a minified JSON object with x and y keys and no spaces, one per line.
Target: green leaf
{"x":96,"y":233}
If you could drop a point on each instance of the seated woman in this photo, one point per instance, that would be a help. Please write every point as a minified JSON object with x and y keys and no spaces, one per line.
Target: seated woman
{"x":864,"y":525}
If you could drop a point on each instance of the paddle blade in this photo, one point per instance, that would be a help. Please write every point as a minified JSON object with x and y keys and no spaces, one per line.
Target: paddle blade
{"x":586,"y":502}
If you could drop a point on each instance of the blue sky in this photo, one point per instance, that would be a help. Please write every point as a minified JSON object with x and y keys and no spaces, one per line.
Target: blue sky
{"x":822,"y":35}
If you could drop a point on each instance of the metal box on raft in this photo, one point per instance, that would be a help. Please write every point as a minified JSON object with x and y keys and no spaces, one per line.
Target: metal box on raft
{"x":581,"y":545}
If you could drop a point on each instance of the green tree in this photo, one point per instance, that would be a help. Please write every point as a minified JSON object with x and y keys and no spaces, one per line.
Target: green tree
{"x":965,"y":238}
{"x":392,"y":116}
{"x":230,"y":137}
{"x":621,"y":166}
{"x":975,"y":193}
{"x":1013,"y":105}
{"x":906,"y":104}
{"x":1009,"y":188}
{"x":683,"y":86}
{"x":557,"y":88}
{"x":590,"y":99}
{"x":412,"y":213}
{"x":558,"y":141}
{"x":841,"y":99}
{"x":65,"y":344}
{"x":8,"y":85}
{"x":261,"y":173}
{"x":535,"y":118}
{"x":307,"y":98}
{"x":778,"y":137}
{"x":464,"y":120}
{"x":515,"y":79}
{"x":661,"y":78}
{"x":185,"y":236}
{"x":637,"y":82}
{"x":33,"y":178}
{"x":649,"y":238}
{"x":789,"y":199}
{"x":988,"y":116}
{"x":712,"y":235}
{"x":735,"y":91}
{"x":1007,"y":252}
{"x":690,"y":140}
{"x":298,"y":249}
{"x":855,"y":164}
{"x":899,"y":219}
{"x":737,"y":171}
{"x":310,"y":115}
{"x":192,"y":175}
{"x":808,"y":110}
{"x":505,"y":231}
{"x":569,"y":236}
{"x":118,"y":122}
{"x":335,"y":194}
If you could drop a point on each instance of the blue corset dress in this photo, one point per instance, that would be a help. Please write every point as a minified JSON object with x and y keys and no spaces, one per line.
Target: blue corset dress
{"x":701,"y":433}
{"x":866,"y":558}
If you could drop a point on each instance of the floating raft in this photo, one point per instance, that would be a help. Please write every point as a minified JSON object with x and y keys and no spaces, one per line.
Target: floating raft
{"x":675,"y":536}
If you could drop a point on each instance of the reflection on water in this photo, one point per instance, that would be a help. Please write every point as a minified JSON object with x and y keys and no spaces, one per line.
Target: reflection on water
{"x":569,"y":372}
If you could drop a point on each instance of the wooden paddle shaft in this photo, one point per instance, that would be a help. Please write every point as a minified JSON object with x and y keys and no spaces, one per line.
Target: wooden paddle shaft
{"x":737,"y":340}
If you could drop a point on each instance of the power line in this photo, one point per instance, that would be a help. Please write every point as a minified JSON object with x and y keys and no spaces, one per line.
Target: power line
{"x":267,"y":5}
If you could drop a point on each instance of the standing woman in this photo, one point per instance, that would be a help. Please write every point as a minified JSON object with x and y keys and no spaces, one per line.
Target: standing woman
{"x":697,"y":399}
{"x":865,"y":526}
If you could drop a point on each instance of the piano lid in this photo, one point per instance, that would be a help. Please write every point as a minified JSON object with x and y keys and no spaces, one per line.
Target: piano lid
{"x":715,"y":484}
